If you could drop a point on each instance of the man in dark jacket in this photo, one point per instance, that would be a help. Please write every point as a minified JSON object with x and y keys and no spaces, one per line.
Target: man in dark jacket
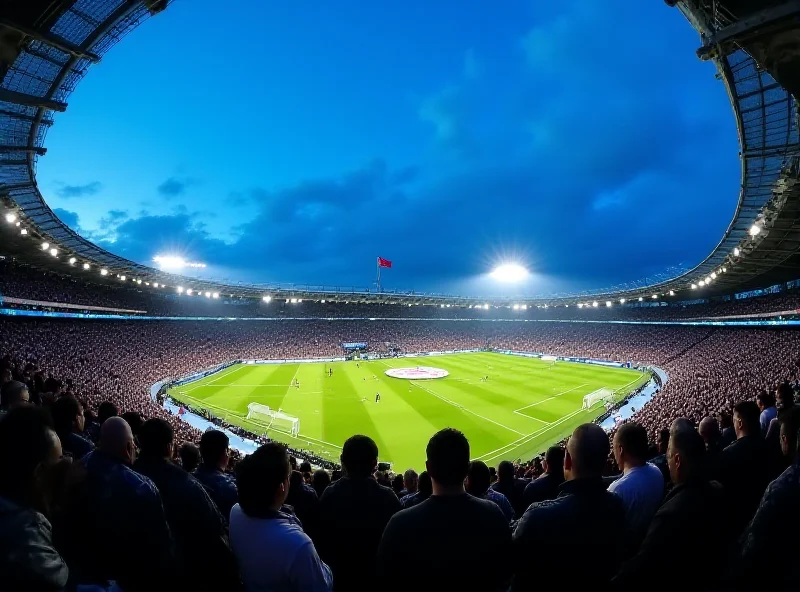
{"x":354,"y":512}
{"x":680,"y":530}
{"x":545,"y":487}
{"x":584,"y":519}
{"x":201,"y":538}
{"x":212,"y":471}
{"x":510,"y":486}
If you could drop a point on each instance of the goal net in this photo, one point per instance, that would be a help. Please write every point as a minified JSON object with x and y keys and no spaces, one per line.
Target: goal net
{"x":605,"y":395}
{"x":277,"y":420}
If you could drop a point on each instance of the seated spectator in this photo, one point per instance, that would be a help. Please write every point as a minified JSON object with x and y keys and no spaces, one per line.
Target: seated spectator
{"x":424,"y":491}
{"x":510,"y":486}
{"x":773,"y":531}
{"x":29,"y":453}
{"x":190,"y":456}
{"x":12,"y":395}
{"x":270,"y":546}
{"x":680,"y":530}
{"x":201,"y":539}
{"x":545,"y":487}
{"x":68,"y":421}
{"x":584,"y":518}
{"x":641,"y":487}
{"x":212,"y":471}
{"x":451,"y":533}
{"x":111,"y":503}
{"x":478,"y":481}
{"x":320,"y":481}
{"x":354,"y":511}
{"x":745,"y":465}
{"x":410,"y":483}
{"x":766,"y":405}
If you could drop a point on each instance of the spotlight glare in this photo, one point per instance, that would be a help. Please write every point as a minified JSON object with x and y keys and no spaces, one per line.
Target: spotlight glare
{"x":736,"y":252}
{"x":11,"y":218}
{"x":580,"y":304}
{"x":122,"y":278}
{"x":755,"y":230}
{"x":179,"y":289}
{"x":713,"y":275}
{"x":103,"y":272}
{"x":524,"y":307}
{"x":485,"y":307}
{"x":267,"y":299}
{"x":45,"y":246}
{"x":189,"y":292}
{"x":54,"y":252}
{"x":215,"y":295}
{"x":509,"y":273}
{"x":694,"y":286}
{"x":86,"y":266}
{"x":208,"y":294}
{"x":72,"y":260}
{"x":655,"y":296}
{"x":622,"y":301}
{"x":24,"y":231}
{"x":594,"y":304}
{"x":641,"y":299}
{"x":608,"y":303}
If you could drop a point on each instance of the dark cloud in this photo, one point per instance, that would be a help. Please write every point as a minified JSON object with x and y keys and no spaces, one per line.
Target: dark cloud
{"x":71,"y":191}
{"x":67,"y":217}
{"x":174,"y":187}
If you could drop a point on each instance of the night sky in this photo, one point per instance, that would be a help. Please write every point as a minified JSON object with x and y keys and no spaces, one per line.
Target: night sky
{"x":296,"y":142}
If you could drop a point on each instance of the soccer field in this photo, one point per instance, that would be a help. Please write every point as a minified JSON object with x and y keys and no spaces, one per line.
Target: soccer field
{"x":524,"y":406}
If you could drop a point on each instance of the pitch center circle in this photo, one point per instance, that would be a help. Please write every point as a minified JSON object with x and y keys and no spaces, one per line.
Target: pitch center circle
{"x":417,"y":373}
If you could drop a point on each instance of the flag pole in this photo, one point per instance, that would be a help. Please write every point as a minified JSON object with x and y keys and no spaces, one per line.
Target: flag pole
{"x":378,"y":265}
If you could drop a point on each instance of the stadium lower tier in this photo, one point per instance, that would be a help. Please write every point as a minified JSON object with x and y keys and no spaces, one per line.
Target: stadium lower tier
{"x":710,"y":369}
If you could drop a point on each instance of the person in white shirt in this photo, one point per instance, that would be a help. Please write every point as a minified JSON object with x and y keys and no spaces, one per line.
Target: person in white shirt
{"x":641,"y":486}
{"x":273,"y":552}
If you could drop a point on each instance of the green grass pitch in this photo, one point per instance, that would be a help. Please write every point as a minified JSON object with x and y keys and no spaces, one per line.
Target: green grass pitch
{"x":524,"y":406}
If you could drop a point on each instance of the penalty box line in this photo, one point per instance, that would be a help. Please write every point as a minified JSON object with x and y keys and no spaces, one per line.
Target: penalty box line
{"x":517,"y":411}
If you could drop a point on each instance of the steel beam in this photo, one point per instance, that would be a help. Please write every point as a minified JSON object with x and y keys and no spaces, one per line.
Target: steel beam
{"x":12,"y":96}
{"x":52,"y":40}
{"x":32,"y":149}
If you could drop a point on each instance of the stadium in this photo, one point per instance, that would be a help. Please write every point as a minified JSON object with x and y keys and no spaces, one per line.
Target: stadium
{"x":695,"y":375}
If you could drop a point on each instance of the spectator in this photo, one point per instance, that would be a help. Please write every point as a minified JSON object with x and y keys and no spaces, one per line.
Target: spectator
{"x":660,"y":461}
{"x":510,"y":486}
{"x":680,"y":530}
{"x":190,"y":456}
{"x":451,"y":533}
{"x":478,"y":481}
{"x":784,"y":399}
{"x":29,"y":453}
{"x":105,"y":410}
{"x":772,"y":533}
{"x":110,"y":503}
{"x":545,"y":487}
{"x":68,"y":421}
{"x":410,"y":483}
{"x":320,"y":480}
{"x":201,"y":539}
{"x":745,"y":465}
{"x":354,"y":511}
{"x":272,"y":550}
{"x":709,"y":431}
{"x":12,"y":395}
{"x":728,"y":436}
{"x":305,"y":503}
{"x":211,"y":472}
{"x":641,"y":486}
{"x":766,"y":405}
{"x":397,"y":486}
{"x":584,"y":518}
{"x":424,"y":491}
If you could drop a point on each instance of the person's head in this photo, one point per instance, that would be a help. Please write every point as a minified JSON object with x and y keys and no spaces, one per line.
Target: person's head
{"x":789,"y":420}
{"x":116,"y":439}
{"x":554,"y":461}
{"x":709,"y":431}
{"x":448,"y":460}
{"x":478,"y":478}
{"x":320,"y":481}
{"x":425,"y":485}
{"x":505,"y":471}
{"x":784,"y":396}
{"x":105,"y":410}
{"x":663,"y":441}
{"x":745,"y":419}
{"x":189,"y":455}
{"x":397,"y":484}
{"x":29,"y":451}
{"x":156,"y":439}
{"x":67,"y":415}
{"x":410,"y":481}
{"x":135,"y":420}
{"x":765,"y":400}
{"x":630,"y":445}
{"x":725,"y":420}
{"x":587,"y":451}
{"x":14,"y":394}
{"x":262,"y":479}
{"x":686,"y":452}
{"x":305,"y":467}
{"x":359,"y":456}
{"x":5,"y":376}
{"x":214,"y":449}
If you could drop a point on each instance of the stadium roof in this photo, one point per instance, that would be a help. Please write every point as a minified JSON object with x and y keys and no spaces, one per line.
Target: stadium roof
{"x":47,"y":46}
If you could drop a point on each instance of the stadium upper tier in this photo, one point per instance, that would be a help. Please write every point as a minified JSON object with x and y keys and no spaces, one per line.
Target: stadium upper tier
{"x":47,"y":48}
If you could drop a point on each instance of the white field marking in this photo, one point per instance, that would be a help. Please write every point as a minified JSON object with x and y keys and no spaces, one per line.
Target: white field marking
{"x":517,"y":443}
{"x":225,"y":374}
{"x":253,"y":385}
{"x":517,"y":411}
{"x":454,"y":404}
{"x":301,"y":392}
{"x":304,"y":437}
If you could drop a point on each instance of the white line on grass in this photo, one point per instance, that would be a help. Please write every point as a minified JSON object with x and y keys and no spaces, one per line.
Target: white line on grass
{"x":224,"y":374}
{"x":454,"y":404}
{"x":517,"y":411}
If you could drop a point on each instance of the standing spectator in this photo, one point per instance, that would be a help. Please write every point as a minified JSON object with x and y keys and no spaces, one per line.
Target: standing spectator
{"x":766,"y":405}
{"x":584,"y":518}
{"x":29,"y":451}
{"x":320,"y":481}
{"x":305,"y":503}
{"x":12,"y":395}
{"x":478,"y":481}
{"x":510,"y":486}
{"x":745,"y":465}
{"x":709,"y":431}
{"x":450,"y":533}
{"x":68,"y":421}
{"x":354,"y":511}
{"x":680,"y":530}
{"x":641,"y":486}
{"x":106,"y":410}
{"x":410,"y":483}
{"x":424,"y":491}
{"x":728,"y":436}
{"x":660,"y":461}
{"x":212,"y":471}
{"x":190,"y":456}
{"x":113,"y":503}
{"x":272,"y":550}
{"x":545,"y":487}
{"x":201,"y":539}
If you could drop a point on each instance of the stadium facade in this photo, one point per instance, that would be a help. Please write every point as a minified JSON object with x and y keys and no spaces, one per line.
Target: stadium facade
{"x":47,"y":48}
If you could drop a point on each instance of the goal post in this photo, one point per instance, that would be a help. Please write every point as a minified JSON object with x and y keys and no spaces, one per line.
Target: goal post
{"x":274,"y":419}
{"x":604,"y":394}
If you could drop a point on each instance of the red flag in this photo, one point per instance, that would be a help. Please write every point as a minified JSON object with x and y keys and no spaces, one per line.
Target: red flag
{"x":384,"y":263}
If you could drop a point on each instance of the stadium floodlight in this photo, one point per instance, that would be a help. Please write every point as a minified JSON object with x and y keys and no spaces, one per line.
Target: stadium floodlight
{"x":86,"y":266}
{"x":580,"y":304}
{"x":755,"y":230}
{"x":45,"y":246}
{"x":103,"y":272}
{"x":293,"y":300}
{"x":608,"y":303}
{"x":736,"y":251}
{"x":509,"y":272}
{"x":72,"y":260}
{"x":713,"y":275}
{"x":701,"y":283}
{"x":641,"y":299}
{"x":655,"y":296}
{"x":724,"y":270}
{"x":179,"y":289}
{"x":122,"y":278}
{"x":139,"y":282}
{"x":24,"y":231}
{"x":11,"y":218}
{"x":54,"y":252}
{"x":441,"y":306}
{"x":299,"y":301}
{"x":215,"y":295}
{"x":515,"y":307}
{"x":322,"y":301}
{"x":694,"y":286}
{"x":189,"y":292}
{"x":448,"y":306}
{"x":485,"y":307}
{"x":622,"y":301}
{"x":208,"y":294}
{"x":267,"y":299}
{"x":174,"y":262}
{"x":155,"y":284}
{"x":594,"y":304}
{"x":524,"y":307}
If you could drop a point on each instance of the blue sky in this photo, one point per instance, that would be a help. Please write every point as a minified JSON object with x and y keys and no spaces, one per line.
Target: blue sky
{"x":287,"y":142}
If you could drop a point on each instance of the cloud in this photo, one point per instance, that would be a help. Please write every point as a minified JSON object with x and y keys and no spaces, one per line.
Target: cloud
{"x":73,"y":191}
{"x":174,"y":187}
{"x":67,"y":217}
